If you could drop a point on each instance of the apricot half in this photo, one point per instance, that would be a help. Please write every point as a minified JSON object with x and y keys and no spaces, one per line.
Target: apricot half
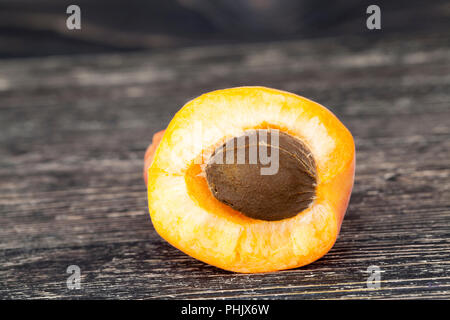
{"x":215,"y":203}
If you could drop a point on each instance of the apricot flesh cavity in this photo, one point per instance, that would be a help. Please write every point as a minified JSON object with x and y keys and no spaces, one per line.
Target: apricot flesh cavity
{"x":237,"y":233}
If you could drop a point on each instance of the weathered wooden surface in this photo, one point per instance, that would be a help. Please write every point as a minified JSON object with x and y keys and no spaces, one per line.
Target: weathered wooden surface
{"x":74,"y":131}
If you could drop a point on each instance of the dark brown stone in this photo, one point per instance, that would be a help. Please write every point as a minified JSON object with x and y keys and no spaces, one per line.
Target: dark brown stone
{"x":275,"y":195}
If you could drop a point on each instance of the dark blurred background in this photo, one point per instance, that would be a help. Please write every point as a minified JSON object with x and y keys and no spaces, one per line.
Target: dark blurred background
{"x":38,"y":28}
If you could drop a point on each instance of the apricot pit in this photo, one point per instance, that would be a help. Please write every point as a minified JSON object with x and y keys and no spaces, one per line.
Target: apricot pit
{"x":273,"y":196}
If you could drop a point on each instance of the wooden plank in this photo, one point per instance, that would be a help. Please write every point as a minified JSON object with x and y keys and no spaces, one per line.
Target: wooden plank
{"x":74,"y":130}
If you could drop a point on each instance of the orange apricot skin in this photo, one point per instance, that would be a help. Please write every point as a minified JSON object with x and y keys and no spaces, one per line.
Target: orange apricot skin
{"x":150,"y":152}
{"x":333,"y":195}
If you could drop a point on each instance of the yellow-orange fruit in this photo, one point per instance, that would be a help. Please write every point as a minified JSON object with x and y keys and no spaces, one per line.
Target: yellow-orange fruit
{"x":185,"y":212}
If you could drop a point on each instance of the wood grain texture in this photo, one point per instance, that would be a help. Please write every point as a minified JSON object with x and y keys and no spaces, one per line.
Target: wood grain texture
{"x":74,"y":132}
